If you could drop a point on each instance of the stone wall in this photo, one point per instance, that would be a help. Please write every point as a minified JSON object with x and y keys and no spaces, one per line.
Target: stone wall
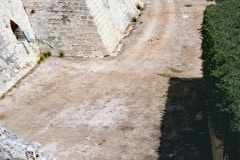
{"x":14,"y":148}
{"x":112,"y":17}
{"x":17,"y":55}
{"x":86,"y":28}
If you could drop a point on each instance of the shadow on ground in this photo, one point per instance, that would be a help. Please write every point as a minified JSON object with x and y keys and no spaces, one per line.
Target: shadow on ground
{"x":184,"y":130}
{"x":219,"y":1}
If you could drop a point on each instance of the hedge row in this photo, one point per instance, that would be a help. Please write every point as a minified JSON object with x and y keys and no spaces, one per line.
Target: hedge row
{"x":221,"y":72}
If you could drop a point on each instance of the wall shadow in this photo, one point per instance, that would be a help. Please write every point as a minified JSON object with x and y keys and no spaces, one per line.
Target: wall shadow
{"x":219,"y":1}
{"x":184,"y":129}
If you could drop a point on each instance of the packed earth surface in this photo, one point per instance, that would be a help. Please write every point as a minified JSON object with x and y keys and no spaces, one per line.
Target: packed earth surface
{"x":144,"y":104}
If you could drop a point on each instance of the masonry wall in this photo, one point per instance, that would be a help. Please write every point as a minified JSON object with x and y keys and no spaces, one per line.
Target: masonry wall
{"x":85,"y":28}
{"x":17,"y":56}
{"x":112,"y":18}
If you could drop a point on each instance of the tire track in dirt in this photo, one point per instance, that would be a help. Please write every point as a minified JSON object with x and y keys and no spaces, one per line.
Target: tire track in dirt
{"x":162,"y":15}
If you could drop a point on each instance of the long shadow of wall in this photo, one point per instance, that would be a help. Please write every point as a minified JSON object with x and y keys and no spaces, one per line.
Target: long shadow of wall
{"x":184,"y":130}
{"x":219,"y":1}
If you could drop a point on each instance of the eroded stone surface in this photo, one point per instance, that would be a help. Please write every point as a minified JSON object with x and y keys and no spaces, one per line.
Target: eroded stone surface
{"x":17,"y":55}
{"x":12,"y":147}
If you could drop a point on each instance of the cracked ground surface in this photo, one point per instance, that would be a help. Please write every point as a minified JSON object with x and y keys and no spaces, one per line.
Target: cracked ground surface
{"x":110,"y":108}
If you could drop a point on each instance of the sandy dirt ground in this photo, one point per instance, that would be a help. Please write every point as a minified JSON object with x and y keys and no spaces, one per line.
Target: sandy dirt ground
{"x":110,"y":108}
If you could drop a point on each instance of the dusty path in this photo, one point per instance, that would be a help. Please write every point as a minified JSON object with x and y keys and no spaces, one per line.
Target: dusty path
{"x":110,"y":108}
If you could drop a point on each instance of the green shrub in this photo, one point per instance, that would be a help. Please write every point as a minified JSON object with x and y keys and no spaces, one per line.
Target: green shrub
{"x":43,"y":56}
{"x":134,"y":19}
{"x":221,"y":72}
{"x":188,"y":5}
{"x":139,"y":7}
{"x":61,"y":54}
{"x":47,"y":54}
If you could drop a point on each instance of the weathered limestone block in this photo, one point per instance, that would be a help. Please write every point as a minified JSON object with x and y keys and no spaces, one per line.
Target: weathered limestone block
{"x":86,"y":28}
{"x":17,"y":55}
{"x":12,"y":148}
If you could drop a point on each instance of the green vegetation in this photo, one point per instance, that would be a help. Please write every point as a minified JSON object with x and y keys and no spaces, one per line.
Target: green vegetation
{"x":175,"y":70}
{"x":165,"y":75}
{"x":61,"y":53}
{"x":43,"y":56}
{"x":139,"y":7}
{"x":47,"y":54}
{"x":134,"y":19}
{"x":221,"y":69}
{"x":188,"y":5}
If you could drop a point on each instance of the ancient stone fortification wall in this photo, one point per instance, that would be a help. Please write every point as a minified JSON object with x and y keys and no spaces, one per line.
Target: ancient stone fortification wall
{"x":17,"y":55}
{"x":87,"y":28}
{"x":112,"y":17}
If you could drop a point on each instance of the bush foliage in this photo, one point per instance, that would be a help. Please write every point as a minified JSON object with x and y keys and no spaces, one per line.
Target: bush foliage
{"x":221,"y":71}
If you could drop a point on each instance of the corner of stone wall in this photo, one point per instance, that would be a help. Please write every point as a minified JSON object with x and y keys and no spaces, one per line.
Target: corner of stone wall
{"x":18,"y":53}
{"x":112,"y":19}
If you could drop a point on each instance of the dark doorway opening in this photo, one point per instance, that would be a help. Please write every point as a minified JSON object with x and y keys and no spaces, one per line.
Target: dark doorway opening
{"x":16,"y":30}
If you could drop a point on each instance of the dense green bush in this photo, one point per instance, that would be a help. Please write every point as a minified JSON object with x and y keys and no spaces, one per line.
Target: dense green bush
{"x":221,"y":70}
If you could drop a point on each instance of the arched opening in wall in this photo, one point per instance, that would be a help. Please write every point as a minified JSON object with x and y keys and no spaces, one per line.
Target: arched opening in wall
{"x":16,"y":30}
